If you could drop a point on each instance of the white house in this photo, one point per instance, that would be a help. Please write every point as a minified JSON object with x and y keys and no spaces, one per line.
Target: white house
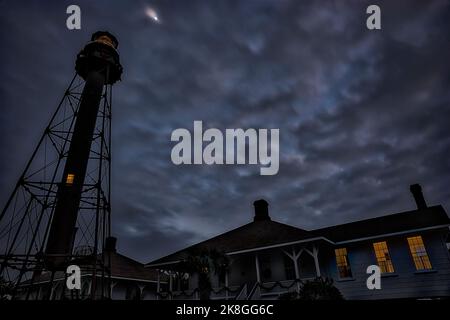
{"x":269,"y":258}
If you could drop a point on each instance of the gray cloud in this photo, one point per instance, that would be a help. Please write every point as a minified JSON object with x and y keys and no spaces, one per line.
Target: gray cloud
{"x":361,"y":114}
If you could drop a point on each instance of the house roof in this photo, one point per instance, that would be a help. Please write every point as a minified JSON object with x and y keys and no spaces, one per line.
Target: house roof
{"x":394,"y":223}
{"x":256,"y":234}
{"x":121,"y":267}
{"x":124,"y":267}
{"x":263,"y":233}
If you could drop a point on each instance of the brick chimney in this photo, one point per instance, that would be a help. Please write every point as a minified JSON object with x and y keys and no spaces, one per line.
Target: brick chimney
{"x":416,"y":191}
{"x":110,"y":244}
{"x":261,"y":210}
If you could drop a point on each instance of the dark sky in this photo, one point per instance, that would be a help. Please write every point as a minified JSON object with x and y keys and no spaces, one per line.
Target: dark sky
{"x":362,"y":114}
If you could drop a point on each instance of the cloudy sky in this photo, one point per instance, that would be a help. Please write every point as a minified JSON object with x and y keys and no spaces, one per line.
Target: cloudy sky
{"x":362,"y":114}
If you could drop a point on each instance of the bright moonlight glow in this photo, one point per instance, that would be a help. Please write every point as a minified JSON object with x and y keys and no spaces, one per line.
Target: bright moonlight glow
{"x":151,"y":13}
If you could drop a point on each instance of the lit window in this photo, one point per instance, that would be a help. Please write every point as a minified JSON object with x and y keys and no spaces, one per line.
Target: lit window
{"x":70,"y":178}
{"x":419,"y":253}
{"x":383,"y":257}
{"x":342,"y":263}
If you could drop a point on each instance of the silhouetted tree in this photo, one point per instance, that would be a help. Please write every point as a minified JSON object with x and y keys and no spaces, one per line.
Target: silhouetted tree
{"x":204,"y":263}
{"x":317,"y":289}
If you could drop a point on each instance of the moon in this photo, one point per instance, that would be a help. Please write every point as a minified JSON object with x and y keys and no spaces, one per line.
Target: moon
{"x":151,"y":13}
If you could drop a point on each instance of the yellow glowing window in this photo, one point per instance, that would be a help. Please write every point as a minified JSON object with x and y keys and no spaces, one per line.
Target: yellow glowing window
{"x":342,"y":263}
{"x":383,"y":258}
{"x":70,"y":178}
{"x":419,"y":253}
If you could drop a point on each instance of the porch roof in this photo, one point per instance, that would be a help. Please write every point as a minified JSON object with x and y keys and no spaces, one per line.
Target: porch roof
{"x":121,"y":267}
{"x":257,"y":234}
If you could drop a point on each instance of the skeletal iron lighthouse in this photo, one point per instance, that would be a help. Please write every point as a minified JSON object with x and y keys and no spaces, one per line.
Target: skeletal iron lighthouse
{"x":59,"y":211}
{"x":98,"y":64}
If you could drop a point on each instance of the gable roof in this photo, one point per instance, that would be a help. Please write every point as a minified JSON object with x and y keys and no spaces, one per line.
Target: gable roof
{"x":252,"y":235}
{"x":121,"y":267}
{"x":124,"y":267}
{"x":394,"y":223}
{"x":264,"y":233}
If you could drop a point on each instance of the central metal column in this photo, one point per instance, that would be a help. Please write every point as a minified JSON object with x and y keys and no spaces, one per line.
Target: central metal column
{"x":62,"y":230}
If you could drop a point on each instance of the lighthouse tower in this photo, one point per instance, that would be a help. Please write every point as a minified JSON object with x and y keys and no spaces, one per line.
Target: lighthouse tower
{"x":59,"y":211}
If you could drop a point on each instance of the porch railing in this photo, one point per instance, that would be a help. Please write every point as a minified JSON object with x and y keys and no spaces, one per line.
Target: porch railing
{"x":265,"y":290}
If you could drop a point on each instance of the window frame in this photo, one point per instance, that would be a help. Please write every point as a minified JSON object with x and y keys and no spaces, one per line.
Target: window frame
{"x":347,"y":258}
{"x":412,"y":255}
{"x":390,"y":258}
{"x":70,"y":178}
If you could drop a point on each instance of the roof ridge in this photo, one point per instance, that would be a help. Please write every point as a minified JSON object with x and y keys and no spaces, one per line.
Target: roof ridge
{"x":290,"y":226}
{"x":128,"y":258}
{"x":229,"y":233}
{"x":378,"y":217}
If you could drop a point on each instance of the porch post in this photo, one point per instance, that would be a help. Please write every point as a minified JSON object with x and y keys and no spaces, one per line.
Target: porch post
{"x":297,"y":273}
{"x":141,"y":291}
{"x":258,"y":277}
{"x":89,"y":288}
{"x":111,"y":287}
{"x":170,"y":286}
{"x":158,"y":284}
{"x":316,"y":260}
{"x":226,"y":285}
{"x":295,"y":259}
{"x":52,"y":291}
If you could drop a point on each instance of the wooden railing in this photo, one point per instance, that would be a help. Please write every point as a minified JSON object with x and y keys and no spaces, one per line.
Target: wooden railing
{"x":257,"y":291}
